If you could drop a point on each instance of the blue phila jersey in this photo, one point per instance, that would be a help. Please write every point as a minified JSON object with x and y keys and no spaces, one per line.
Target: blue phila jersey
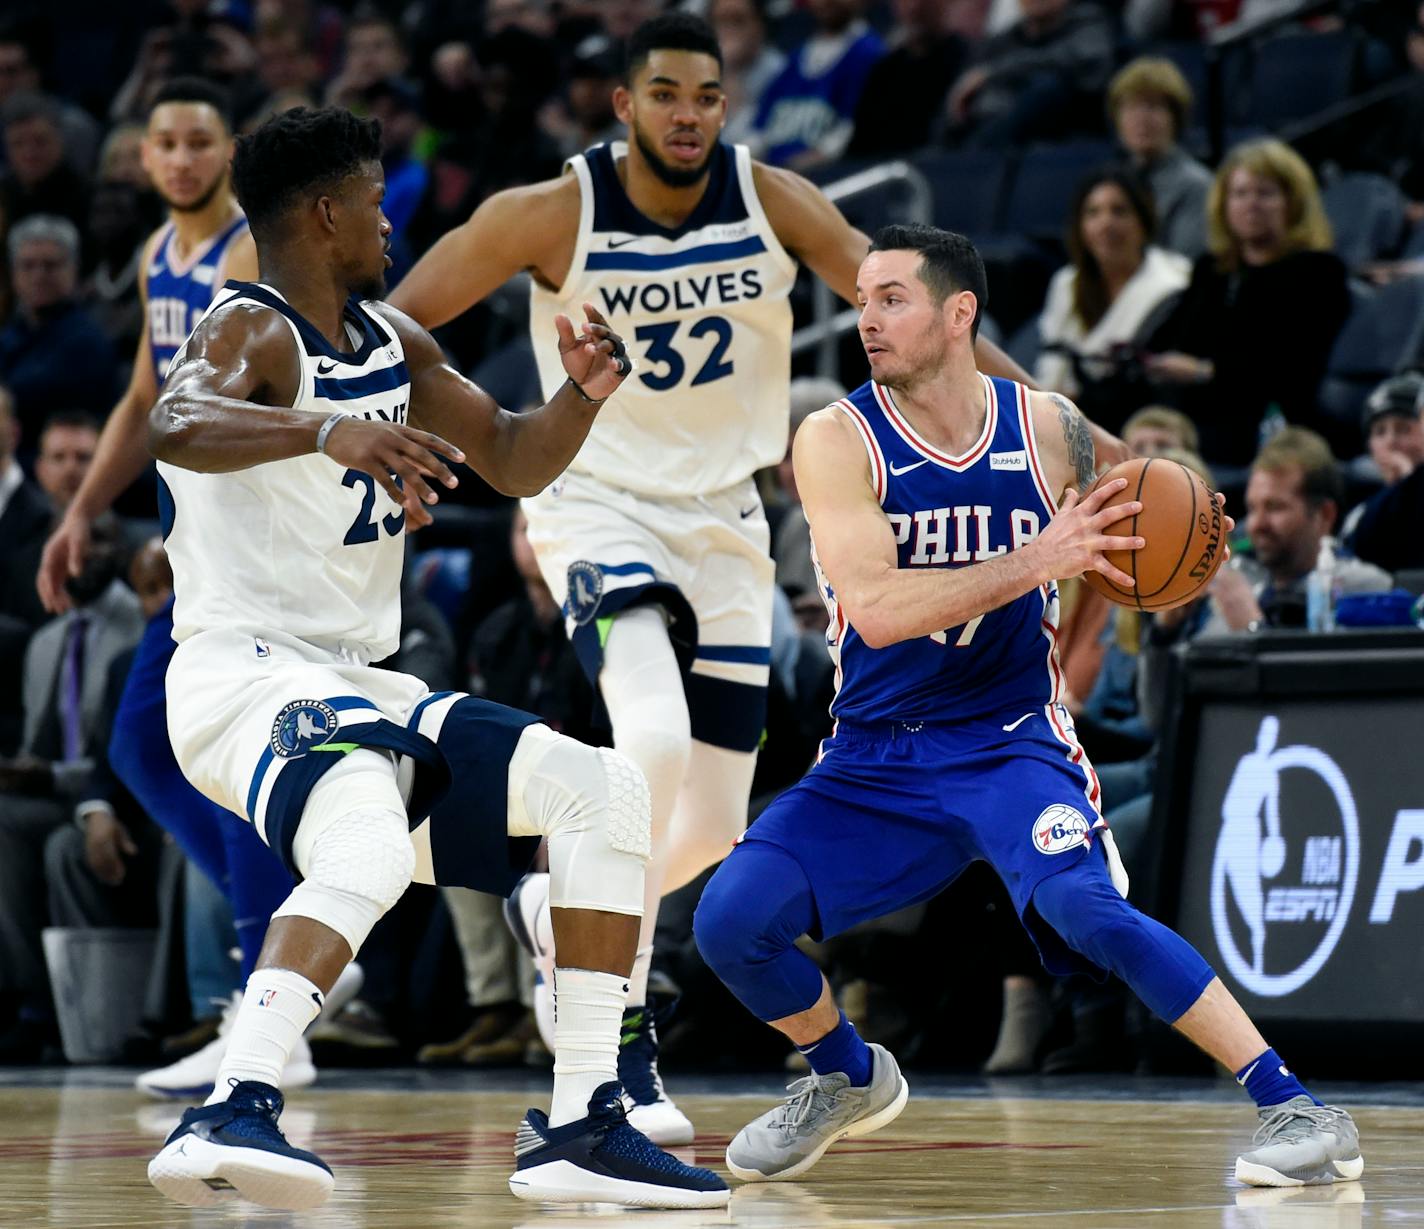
{"x":949,"y":512}
{"x":179,"y":292}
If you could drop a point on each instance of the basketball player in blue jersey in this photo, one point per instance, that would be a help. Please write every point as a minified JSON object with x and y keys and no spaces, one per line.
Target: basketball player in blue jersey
{"x":655,"y":540}
{"x":186,"y":150}
{"x":944,"y":506}
{"x":291,"y":447}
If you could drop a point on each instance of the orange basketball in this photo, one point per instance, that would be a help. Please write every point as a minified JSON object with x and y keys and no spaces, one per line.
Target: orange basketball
{"x":1182,"y":523}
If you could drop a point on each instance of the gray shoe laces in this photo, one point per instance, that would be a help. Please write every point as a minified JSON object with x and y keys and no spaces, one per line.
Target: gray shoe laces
{"x":809,"y":1098}
{"x":1293,"y":1122}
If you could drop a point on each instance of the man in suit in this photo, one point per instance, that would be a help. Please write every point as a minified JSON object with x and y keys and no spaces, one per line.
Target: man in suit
{"x":25,"y":518}
{"x":66,"y":672}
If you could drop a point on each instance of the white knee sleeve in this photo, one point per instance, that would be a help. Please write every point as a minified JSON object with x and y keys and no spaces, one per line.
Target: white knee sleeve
{"x":353,"y":848}
{"x":591,"y":804}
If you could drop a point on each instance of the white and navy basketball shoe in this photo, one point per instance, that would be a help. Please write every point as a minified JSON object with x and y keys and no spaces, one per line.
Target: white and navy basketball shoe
{"x":602,"y":1159}
{"x":235,"y":1150}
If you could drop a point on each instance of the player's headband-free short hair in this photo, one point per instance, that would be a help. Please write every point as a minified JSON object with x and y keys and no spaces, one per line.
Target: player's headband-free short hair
{"x":194,"y":89}
{"x":949,"y":262}
{"x":304,"y":152}
{"x":670,"y":32}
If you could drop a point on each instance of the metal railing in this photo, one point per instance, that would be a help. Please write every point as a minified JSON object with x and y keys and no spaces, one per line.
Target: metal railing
{"x":827,"y":324}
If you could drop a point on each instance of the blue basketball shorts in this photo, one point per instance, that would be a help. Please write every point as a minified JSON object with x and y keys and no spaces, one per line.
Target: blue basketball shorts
{"x":892,"y":812}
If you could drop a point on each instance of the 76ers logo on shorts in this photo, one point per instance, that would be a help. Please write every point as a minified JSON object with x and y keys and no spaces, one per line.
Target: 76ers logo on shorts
{"x":302,"y":725}
{"x":585,"y":590}
{"x":1059,"y":829}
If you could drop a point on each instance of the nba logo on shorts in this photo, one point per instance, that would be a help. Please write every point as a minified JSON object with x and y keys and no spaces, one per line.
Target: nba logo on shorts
{"x":1059,"y":829}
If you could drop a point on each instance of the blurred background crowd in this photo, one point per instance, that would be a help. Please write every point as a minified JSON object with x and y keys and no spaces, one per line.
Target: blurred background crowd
{"x":1203,"y":220}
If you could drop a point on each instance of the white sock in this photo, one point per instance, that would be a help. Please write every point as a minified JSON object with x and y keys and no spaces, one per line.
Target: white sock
{"x":638,"y":978}
{"x":275,"y":1011}
{"x":588,"y":1013}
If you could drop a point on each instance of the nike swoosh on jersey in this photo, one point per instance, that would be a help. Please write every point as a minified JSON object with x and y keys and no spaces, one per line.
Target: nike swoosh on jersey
{"x":1014,"y":725}
{"x":323,"y":368}
{"x":897,"y":470}
{"x":622,"y":243}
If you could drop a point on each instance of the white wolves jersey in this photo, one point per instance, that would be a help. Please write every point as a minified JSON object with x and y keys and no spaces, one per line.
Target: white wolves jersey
{"x":178,"y":293}
{"x":950,"y":512}
{"x":300,"y":546}
{"x":703,"y":309}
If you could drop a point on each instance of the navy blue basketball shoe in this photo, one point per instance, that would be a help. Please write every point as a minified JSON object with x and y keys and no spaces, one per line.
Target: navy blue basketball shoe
{"x":602,"y":1159}
{"x":235,"y":1150}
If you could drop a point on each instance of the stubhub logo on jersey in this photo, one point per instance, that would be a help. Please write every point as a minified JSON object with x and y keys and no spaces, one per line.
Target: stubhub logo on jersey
{"x":1305,"y":884}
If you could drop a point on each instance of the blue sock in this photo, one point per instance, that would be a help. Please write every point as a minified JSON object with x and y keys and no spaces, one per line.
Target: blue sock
{"x":1269,"y":1083}
{"x":841,"y":1050}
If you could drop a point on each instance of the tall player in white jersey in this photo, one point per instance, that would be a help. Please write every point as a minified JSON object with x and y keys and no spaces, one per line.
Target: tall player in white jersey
{"x":655,"y":539}
{"x":287,"y":448}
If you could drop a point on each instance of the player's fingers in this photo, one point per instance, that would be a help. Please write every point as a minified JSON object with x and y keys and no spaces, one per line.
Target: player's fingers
{"x":1070,"y":499}
{"x":429,"y":464}
{"x":1099,"y":495}
{"x":427,"y":439}
{"x":1114,"y":574}
{"x":1118,"y":512}
{"x":1229,"y":523}
{"x":1112,"y":541}
{"x":414,"y":479}
{"x":594,"y":315}
{"x":565,"y":327}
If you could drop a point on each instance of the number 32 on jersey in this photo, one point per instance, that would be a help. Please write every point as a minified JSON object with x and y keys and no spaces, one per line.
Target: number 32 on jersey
{"x":705,"y":344}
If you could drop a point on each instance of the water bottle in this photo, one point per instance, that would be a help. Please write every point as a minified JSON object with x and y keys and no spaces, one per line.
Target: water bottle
{"x":1320,"y":589}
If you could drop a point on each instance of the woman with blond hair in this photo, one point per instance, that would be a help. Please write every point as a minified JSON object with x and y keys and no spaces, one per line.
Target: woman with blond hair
{"x":1265,"y":303}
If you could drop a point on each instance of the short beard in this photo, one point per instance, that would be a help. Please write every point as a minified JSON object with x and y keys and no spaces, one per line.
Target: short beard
{"x":204,"y":198}
{"x":674,"y":177}
{"x":371,"y":288}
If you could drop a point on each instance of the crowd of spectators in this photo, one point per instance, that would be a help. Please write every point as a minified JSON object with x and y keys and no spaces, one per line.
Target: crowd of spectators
{"x":1192,"y":304}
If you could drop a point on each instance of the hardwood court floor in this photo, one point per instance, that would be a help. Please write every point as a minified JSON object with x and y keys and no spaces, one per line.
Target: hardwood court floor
{"x":410,"y":1153}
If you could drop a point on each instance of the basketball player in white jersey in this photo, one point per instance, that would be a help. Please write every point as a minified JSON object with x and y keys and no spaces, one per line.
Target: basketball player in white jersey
{"x":655,"y":540}
{"x":292,"y":464}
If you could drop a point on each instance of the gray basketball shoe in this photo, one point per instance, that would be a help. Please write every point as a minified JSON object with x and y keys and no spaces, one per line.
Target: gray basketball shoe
{"x":1302,"y":1144}
{"x":785,"y":1142}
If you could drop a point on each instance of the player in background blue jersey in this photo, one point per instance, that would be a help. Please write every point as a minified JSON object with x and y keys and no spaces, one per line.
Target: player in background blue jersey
{"x":929,"y":494}
{"x":186,"y":150}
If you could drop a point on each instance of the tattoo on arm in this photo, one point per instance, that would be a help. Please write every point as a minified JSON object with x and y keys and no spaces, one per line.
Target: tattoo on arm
{"x":1079,"y":440}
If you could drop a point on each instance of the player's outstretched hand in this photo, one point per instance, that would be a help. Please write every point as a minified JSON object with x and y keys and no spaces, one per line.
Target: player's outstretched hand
{"x":595,"y":357}
{"x":1076,"y":538}
{"x":399,"y":458}
{"x":64,"y":556}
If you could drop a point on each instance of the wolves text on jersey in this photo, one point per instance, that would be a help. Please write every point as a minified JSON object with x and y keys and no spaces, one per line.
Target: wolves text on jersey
{"x":942,"y":535}
{"x":683,"y":293}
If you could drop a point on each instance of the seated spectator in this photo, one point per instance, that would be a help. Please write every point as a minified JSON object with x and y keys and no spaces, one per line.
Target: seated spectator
{"x":25,"y":519}
{"x":38,"y":177}
{"x":374,"y":51}
{"x":583,"y":115}
{"x":53,"y":355}
{"x":1149,"y":102}
{"x":1036,"y":80}
{"x":1097,"y":304}
{"x":65,"y":680}
{"x":749,"y":62}
{"x":1255,"y":327}
{"x":20,"y":74}
{"x":67,"y":445}
{"x":1388,"y":529}
{"x":1293,"y":499}
{"x":1156,"y":429}
{"x":904,"y":94}
{"x":806,"y":114}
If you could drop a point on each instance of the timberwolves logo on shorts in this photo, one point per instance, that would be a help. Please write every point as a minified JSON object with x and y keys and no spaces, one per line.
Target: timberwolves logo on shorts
{"x":302,"y":725}
{"x":1059,"y":829}
{"x":585,"y":590}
